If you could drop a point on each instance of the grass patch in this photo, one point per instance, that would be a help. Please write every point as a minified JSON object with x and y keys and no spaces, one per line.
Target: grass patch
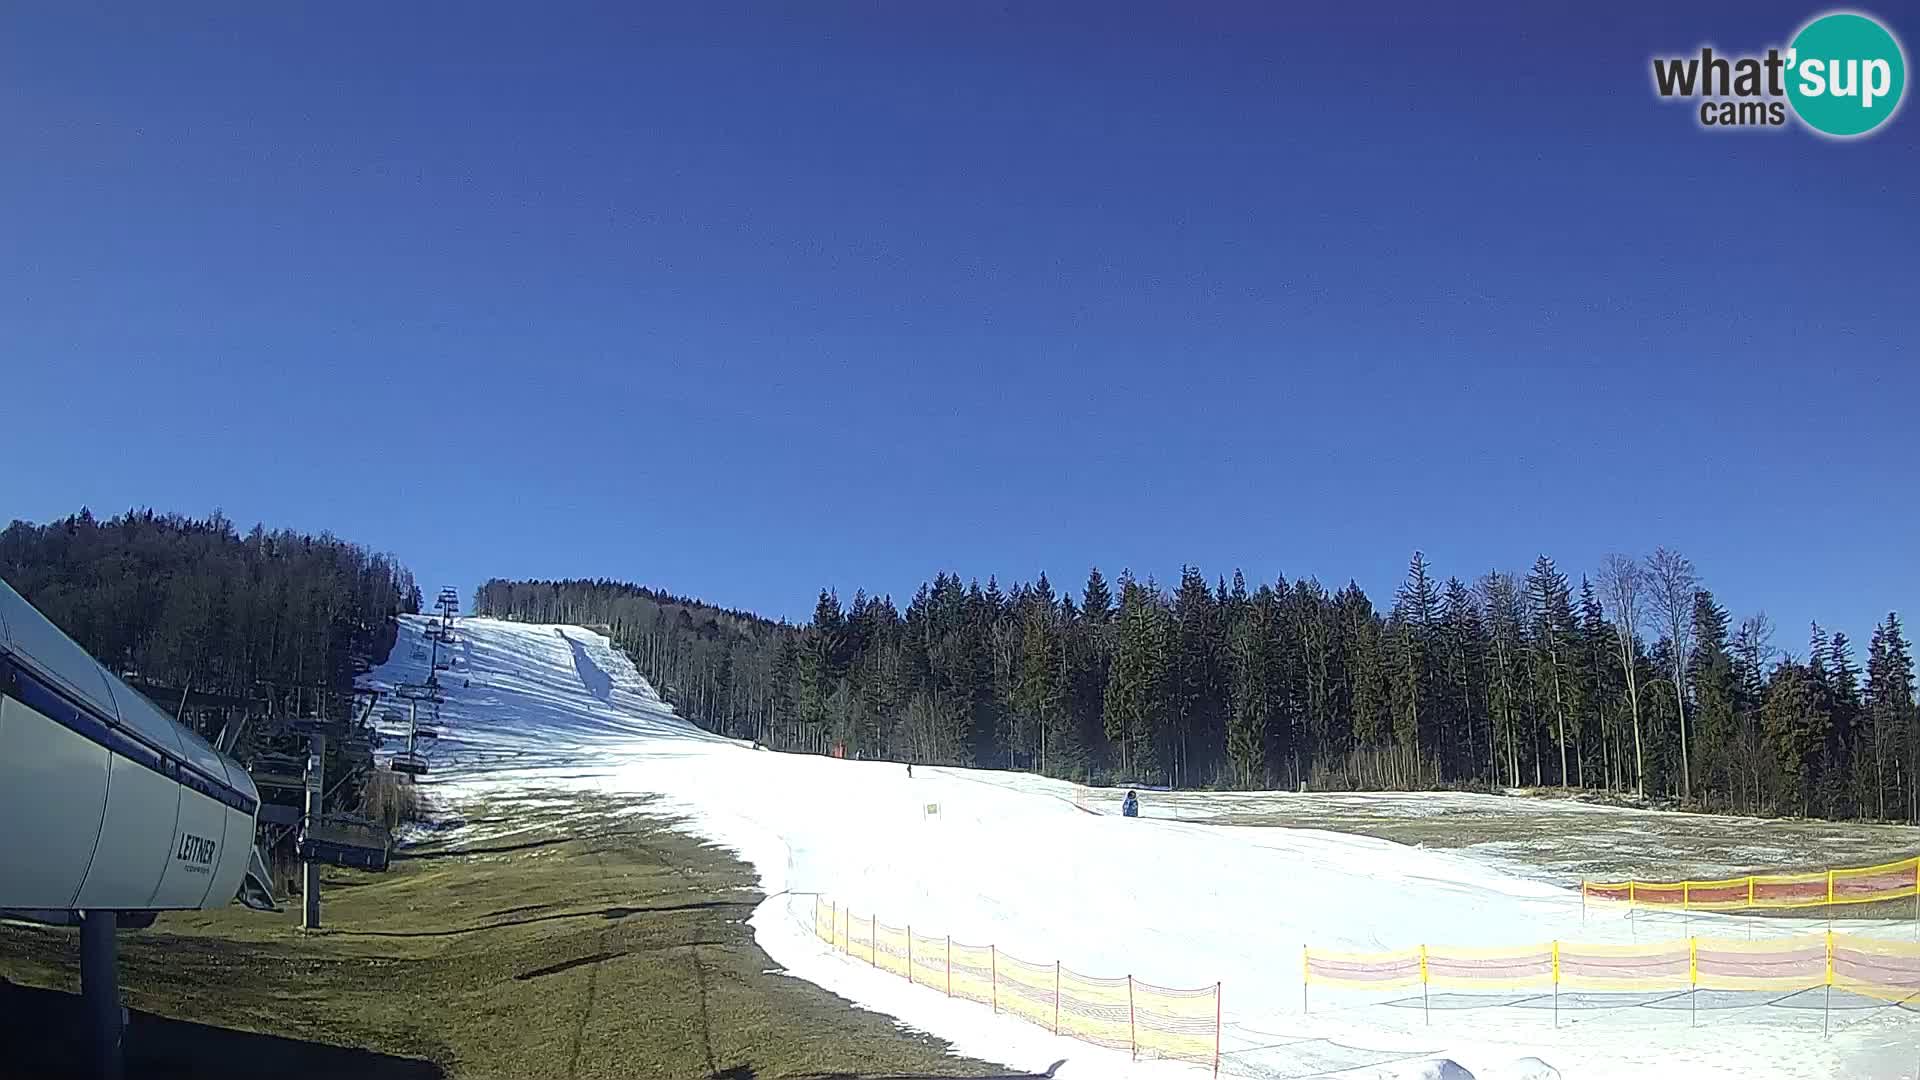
{"x":1560,"y":839}
{"x":594,"y":943}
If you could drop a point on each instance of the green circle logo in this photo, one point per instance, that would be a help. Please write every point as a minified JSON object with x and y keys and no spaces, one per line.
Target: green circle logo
{"x":1845,"y":74}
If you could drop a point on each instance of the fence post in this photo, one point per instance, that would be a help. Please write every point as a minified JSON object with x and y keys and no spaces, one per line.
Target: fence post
{"x":1556,"y":985}
{"x":1133,"y":1041}
{"x":1829,"y":901}
{"x":993,"y":975}
{"x":833,"y":923}
{"x":1306,"y":976}
{"x":1693,"y":979}
{"x":1749,"y":890}
{"x":1216,"y":1029}
{"x":1826,"y":1019}
{"x":1916,"y":899}
{"x":949,"y":965}
{"x":909,"y":952}
{"x":1056,"y":997}
{"x":1426,"y":1009}
{"x":873,"y":941}
{"x":1583,"y":901}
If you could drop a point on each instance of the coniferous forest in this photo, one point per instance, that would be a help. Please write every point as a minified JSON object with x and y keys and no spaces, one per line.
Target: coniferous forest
{"x":1632,"y":679}
{"x":198,"y":614}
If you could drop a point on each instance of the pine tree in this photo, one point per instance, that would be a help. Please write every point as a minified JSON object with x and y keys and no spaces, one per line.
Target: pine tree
{"x":1197,"y":696}
{"x":1096,"y":602}
{"x":1795,"y":728}
{"x":1892,"y":719}
{"x":1501,"y":602}
{"x":1416,"y":610}
{"x":1136,"y":680}
{"x":1250,"y":667}
{"x":1838,"y":792}
{"x":1716,"y":693}
{"x":1463,"y":650}
{"x":1552,"y":609}
{"x":1043,"y":679}
{"x":1369,"y":702}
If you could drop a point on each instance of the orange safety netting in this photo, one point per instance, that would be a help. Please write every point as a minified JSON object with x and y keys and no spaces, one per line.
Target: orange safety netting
{"x":1850,"y":885}
{"x":1878,"y":968}
{"x":1121,"y":1013}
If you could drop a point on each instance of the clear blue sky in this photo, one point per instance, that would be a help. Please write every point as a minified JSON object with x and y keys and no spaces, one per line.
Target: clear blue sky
{"x":748,"y":301}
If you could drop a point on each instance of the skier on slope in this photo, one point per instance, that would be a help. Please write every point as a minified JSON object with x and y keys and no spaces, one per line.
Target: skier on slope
{"x":1130,"y":807}
{"x":909,"y":770}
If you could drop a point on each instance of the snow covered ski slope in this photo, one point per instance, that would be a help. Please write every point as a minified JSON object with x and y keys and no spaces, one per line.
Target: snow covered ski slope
{"x":547,"y":713}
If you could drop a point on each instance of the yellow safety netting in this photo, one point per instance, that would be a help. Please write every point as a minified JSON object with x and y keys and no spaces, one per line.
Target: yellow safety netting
{"x":972,"y":969}
{"x":1888,"y":970}
{"x":1523,"y":968}
{"x":1181,"y":1025}
{"x":1122,"y":1013}
{"x":1099,"y":1011}
{"x":1028,"y":990}
{"x":890,"y":949}
{"x":1363,"y":971}
{"x":1849,"y":885}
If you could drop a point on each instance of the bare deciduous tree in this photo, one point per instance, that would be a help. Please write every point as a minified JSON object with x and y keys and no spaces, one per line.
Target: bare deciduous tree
{"x":1671,"y":585}
{"x":1621,"y":583}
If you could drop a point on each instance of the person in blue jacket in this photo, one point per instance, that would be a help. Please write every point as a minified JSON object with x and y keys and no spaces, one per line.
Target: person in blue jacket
{"x":1131,"y":807}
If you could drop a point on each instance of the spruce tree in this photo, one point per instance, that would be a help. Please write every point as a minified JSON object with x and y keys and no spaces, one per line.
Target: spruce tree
{"x":1552,"y":609}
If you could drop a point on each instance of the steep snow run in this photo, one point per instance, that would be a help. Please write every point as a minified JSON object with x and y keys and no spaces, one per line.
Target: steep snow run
{"x":544,"y":713}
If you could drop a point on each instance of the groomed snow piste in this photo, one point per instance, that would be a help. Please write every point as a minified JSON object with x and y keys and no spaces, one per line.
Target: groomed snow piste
{"x":540,"y":714}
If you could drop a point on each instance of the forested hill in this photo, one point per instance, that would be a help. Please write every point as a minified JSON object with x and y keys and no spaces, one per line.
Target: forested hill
{"x":1632,"y":679}
{"x":717,"y":665}
{"x":178,"y":603}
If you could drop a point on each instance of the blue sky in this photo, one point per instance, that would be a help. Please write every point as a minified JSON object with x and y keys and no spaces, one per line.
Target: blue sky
{"x":744,"y":301}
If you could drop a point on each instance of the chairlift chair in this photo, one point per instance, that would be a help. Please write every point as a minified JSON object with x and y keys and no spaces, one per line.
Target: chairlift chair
{"x":345,"y":840}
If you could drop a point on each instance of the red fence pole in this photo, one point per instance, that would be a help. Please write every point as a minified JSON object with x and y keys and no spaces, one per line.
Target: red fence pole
{"x":1133,"y":1041}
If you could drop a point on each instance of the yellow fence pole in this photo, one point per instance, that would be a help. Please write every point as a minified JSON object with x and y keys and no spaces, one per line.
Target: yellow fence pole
{"x":1693,"y":978}
{"x":1424,"y":1006}
{"x":1826,"y":1019}
{"x":1829,"y":901}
